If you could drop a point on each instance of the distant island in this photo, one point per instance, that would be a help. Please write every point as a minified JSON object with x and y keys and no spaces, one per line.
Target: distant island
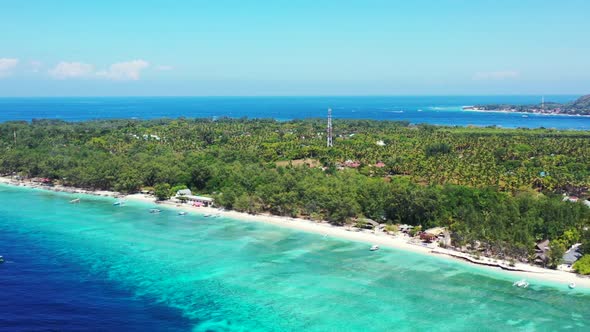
{"x":580,"y":106}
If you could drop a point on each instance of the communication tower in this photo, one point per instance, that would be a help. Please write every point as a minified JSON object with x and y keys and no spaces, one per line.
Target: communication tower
{"x":329,"y":127}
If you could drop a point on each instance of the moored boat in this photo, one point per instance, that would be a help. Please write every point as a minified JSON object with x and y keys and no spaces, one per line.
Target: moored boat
{"x":572,"y":285}
{"x":74,"y":201}
{"x":374,"y":248}
{"x":521,"y":283}
{"x":155,"y":210}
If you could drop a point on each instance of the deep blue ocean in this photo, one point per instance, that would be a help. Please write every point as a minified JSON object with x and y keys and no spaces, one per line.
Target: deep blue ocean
{"x":440,"y":110}
{"x":46,"y":291}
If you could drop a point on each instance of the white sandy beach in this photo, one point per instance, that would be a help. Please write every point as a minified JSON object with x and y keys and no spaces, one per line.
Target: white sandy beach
{"x":403,"y":242}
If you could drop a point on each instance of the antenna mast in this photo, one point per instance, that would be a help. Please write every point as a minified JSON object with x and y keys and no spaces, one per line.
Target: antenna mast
{"x":329,"y":127}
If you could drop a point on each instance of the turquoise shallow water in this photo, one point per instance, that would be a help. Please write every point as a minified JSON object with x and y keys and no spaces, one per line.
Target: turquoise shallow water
{"x":228,"y":275}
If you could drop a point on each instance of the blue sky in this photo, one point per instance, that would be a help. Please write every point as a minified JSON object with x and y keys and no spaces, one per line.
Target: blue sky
{"x":222,"y":47}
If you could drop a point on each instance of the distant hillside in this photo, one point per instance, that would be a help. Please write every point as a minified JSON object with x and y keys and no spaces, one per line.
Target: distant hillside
{"x":580,"y":106}
{"x":582,"y":103}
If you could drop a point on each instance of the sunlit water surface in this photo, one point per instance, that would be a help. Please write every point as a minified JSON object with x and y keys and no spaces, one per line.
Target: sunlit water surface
{"x":94,"y":266}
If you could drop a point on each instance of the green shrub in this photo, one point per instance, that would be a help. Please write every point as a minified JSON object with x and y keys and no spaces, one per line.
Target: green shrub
{"x":162,"y":191}
{"x":391,"y":228}
{"x":582,"y":266}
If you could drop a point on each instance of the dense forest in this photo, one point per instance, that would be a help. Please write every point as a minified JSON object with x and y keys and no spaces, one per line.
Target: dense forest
{"x":501,"y":190}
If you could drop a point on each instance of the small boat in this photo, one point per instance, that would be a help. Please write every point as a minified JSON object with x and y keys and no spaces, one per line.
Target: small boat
{"x":374,"y":248}
{"x":207,"y":215}
{"x":572,"y":285}
{"x":182,"y":213}
{"x":1,"y":259}
{"x":521,"y":283}
{"x":525,"y":116}
{"x":74,"y":201}
{"x":155,"y":210}
{"x":119,"y":203}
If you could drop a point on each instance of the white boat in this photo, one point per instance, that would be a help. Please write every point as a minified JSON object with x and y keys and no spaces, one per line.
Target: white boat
{"x":572,"y":285}
{"x":1,"y":259}
{"x":74,"y":201}
{"x":525,"y":116}
{"x":374,"y":248}
{"x":119,"y":203}
{"x":182,"y":213}
{"x":521,"y":283}
{"x":155,"y":210}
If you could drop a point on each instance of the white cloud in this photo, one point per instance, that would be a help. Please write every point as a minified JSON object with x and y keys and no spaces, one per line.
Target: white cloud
{"x":65,"y":70}
{"x":7,"y":65}
{"x":124,"y":71}
{"x":164,"y":68}
{"x":121,"y":71}
{"x":496,"y":75}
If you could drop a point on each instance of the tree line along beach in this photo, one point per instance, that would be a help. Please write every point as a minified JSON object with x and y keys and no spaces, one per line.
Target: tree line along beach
{"x":379,"y":236}
{"x":496,"y":193}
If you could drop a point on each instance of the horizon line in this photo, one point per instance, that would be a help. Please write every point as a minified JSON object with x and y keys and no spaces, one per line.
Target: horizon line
{"x":298,"y":96}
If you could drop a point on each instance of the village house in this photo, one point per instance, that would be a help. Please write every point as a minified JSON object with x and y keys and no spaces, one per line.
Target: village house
{"x":439,"y":234}
{"x":571,"y":256}
{"x":352,"y":163}
{"x":405,"y":228}
{"x":198,"y":201}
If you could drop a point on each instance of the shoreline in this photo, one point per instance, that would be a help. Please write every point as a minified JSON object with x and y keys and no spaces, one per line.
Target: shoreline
{"x":400,"y":242}
{"x":525,"y":113}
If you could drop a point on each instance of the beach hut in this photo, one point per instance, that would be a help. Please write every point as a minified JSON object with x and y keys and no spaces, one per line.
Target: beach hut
{"x":436,"y":231}
{"x":184,"y":192}
{"x":369,"y":223}
{"x":572,"y":255}
{"x":427,"y":237}
{"x":405,"y":228}
{"x":200,"y":200}
{"x":541,"y":252}
{"x":439,"y":233}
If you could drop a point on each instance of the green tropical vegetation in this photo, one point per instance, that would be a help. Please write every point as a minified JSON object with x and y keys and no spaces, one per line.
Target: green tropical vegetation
{"x":582,"y":266}
{"x":496,"y":189}
{"x":580,"y":106}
